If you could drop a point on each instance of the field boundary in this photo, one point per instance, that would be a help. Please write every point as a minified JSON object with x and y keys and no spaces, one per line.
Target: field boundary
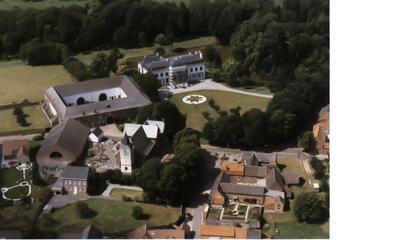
{"x":24,"y":103}
{"x":23,"y":132}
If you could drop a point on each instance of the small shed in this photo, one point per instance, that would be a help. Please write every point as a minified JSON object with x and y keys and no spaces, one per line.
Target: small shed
{"x":96,"y":136}
{"x":316,"y":187}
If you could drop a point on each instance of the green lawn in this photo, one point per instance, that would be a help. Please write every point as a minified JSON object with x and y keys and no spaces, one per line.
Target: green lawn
{"x":112,"y":215}
{"x":21,"y":216}
{"x":226,"y":101}
{"x":9,"y":177}
{"x":19,"y":81}
{"x":289,"y":227}
{"x":10,"y":4}
{"x":17,"y":192}
{"x":34,"y":117}
{"x":136,"y":53}
{"x":120,"y":192}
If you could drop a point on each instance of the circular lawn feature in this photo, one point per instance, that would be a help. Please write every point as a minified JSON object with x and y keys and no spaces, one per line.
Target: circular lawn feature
{"x":194,"y":99}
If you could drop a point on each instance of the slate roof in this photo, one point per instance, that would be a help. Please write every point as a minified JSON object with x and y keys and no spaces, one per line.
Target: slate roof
{"x":254,"y":234}
{"x":75,"y":173}
{"x":255,"y":171}
{"x":159,"y":124}
{"x":184,"y":60}
{"x":135,"y":97}
{"x":291,"y":177}
{"x":70,"y":135}
{"x":275,"y":180}
{"x":242,"y":189}
{"x":97,"y":132}
{"x":154,"y":61}
{"x":157,"y":61}
{"x":141,"y":143}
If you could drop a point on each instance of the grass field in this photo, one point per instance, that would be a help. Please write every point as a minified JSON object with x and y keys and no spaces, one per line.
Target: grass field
{"x":9,"y":177}
{"x":34,"y":116}
{"x":196,"y":43}
{"x":20,"y":216}
{"x":19,"y":81}
{"x":113,"y":215}
{"x":226,"y":101}
{"x":120,"y":192}
{"x":11,"y":4}
{"x":289,"y":227}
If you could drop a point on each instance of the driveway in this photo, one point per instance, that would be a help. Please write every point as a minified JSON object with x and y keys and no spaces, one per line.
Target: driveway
{"x":209,"y":84}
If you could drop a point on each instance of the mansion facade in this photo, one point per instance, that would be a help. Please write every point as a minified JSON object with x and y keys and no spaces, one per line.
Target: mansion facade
{"x":176,"y":69}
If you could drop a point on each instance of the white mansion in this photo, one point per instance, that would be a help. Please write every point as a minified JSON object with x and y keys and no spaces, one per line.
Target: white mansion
{"x":174,"y":69}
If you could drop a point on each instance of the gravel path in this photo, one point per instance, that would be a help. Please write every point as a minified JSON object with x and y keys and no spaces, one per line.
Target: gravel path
{"x":110,"y":187}
{"x":209,"y":84}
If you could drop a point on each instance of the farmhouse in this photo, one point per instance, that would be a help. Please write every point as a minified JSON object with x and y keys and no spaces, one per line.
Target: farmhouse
{"x":73,"y":180}
{"x":222,"y":231}
{"x":176,"y":69}
{"x":62,"y":146}
{"x":261,"y":185}
{"x":13,"y":153}
{"x":94,"y":102}
{"x":143,"y":233}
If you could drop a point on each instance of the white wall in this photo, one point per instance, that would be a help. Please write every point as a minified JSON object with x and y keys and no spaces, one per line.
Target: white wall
{"x":94,"y":96}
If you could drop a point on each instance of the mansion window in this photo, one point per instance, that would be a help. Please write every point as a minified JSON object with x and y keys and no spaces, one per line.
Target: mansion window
{"x":201,"y":68}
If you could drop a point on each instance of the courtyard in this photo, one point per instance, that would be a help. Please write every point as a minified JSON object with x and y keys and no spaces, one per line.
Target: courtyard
{"x":237,"y":212}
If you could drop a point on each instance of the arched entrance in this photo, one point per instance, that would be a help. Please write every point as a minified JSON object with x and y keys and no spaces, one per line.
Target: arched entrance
{"x":110,"y":120}
{"x":56,"y":155}
{"x":80,"y":101}
{"x":102,"y":97}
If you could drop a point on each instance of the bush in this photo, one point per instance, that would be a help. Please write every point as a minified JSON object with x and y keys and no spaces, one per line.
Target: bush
{"x":127,"y":199}
{"x":206,"y":114}
{"x":137,"y":212}
{"x":319,"y":168}
{"x":162,"y":39}
{"x":309,"y":207}
{"x":85,"y":211}
{"x":179,"y":50}
{"x":159,"y":51}
{"x":307,"y":141}
{"x":76,"y":68}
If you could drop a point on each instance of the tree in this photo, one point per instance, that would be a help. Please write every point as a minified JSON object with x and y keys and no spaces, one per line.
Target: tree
{"x":76,"y":68}
{"x":255,"y":126}
{"x":309,"y":207}
{"x":137,"y":212}
{"x":162,"y":39}
{"x":174,"y":119}
{"x":159,"y":51}
{"x":37,"y":53}
{"x":319,"y":168}
{"x":307,"y":141}
{"x":149,"y":85}
{"x":124,"y":67}
{"x":122,"y":37}
{"x":99,"y":67}
{"x":84,"y":210}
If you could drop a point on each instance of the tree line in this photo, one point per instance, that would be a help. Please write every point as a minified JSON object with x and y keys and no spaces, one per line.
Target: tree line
{"x":103,"y":24}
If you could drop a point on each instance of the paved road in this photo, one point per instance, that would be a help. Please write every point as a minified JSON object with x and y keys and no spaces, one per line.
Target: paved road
{"x":110,"y":187}
{"x":197,"y":214}
{"x":209,"y":84}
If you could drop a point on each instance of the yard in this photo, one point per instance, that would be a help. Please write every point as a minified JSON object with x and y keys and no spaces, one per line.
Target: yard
{"x":226,"y":101}
{"x":136,"y":53}
{"x":19,"y":81}
{"x":120,"y":192}
{"x":20,"y":215}
{"x":289,"y":227}
{"x":112,"y":216}
{"x":10,"y":4}
{"x":34,"y":117}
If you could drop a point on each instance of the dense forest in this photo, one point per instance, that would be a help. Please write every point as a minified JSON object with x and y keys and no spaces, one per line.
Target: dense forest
{"x":123,"y":23}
